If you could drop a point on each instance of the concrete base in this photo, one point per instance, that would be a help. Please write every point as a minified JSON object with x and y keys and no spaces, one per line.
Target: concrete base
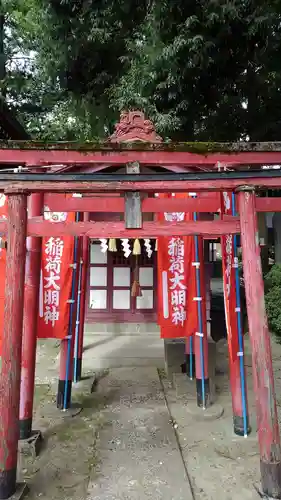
{"x":51,"y":411}
{"x":31,"y":446}
{"x":21,"y":492}
{"x":212,"y":351}
{"x":213,"y":412}
{"x":260,"y":494}
{"x":185,"y":388}
{"x":174,"y":353}
{"x":71,"y":412}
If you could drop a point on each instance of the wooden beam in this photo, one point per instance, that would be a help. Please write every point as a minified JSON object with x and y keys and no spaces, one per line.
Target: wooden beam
{"x":69,"y":186}
{"x":58,"y":203}
{"x":117,"y":229}
{"x":268,"y":204}
{"x":43,"y":157}
{"x":37,"y":226}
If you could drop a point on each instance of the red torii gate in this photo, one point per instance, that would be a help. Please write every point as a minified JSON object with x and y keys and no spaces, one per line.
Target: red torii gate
{"x":18,"y":187}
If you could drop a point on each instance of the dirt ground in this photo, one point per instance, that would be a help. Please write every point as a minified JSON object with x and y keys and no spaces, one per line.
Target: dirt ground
{"x":134,"y":438}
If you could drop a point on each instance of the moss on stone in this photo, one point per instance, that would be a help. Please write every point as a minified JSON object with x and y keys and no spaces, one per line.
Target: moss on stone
{"x":200,"y":148}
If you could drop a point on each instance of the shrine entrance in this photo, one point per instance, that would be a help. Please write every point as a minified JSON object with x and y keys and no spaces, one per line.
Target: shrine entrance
{"x":136,"y":189}
{"x":111,"y":279}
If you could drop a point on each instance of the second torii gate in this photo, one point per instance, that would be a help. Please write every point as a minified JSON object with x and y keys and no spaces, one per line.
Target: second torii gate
{"x":18,"y":187}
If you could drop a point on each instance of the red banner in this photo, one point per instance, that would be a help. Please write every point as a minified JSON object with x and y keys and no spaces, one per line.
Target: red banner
{"x":3,"y":216}
{"x":56,"y":281}
{"x":177,"y":309}
{"x":229,"y":266}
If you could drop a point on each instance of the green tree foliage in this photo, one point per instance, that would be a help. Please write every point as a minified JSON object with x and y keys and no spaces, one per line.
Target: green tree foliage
{"x":273,"y":299}
{"x":216,"y":71}
{"x":202,"y":70}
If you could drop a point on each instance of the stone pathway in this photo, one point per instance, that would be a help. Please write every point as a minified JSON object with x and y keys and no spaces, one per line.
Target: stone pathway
{"x":138,"y":449}
{"x":136,"y":439}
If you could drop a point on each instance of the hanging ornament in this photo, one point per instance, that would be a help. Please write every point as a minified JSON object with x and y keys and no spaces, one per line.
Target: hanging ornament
{"x":136,"y":289}
{"x":112,"y":245}
{"x":147,"y":245}
{"x":103,"y":245}
{"x":137,"y":247}
{"x":126,"y":247}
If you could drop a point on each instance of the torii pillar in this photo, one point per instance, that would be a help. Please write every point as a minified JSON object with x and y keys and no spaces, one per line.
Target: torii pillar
{"x":10,"y":368}
{"x":267,"y":419}
{"x":31,"y":302}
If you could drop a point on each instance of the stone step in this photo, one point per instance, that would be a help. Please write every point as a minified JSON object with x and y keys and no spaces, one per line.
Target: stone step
{"x":122,"y":328}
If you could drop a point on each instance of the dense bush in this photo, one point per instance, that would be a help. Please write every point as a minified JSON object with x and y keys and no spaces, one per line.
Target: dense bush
{"x":273,"y":299}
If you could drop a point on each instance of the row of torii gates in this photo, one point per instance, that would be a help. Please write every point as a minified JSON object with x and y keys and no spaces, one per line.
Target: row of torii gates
{"x":194,"y":169}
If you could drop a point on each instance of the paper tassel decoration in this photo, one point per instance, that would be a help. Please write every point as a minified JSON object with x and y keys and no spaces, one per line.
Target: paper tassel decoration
{"x":148,"y":248}
{"x":137,"y":247}
{"x":112,"y":245}
{"x":103,"y":245}
{"x":156,"y":245}
{"x":126,"y":247}
{"x":136,"y":289}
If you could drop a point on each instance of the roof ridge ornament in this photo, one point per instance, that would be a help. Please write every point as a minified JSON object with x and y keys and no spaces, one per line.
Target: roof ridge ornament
{"x":133,"y":127}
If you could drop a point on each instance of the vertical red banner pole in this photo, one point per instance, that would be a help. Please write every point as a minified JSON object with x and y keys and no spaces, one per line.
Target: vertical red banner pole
{"x":267,"y":420}
{"x":12,"y":343}
{"x":67,"y":345}
{"x":200,"y":337}
{"x":30,"y":320}
{"x":234,"y":328}
{"x":84,"y":280}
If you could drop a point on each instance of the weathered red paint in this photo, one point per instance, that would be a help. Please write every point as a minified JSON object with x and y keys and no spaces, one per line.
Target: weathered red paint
{"x":166,"y":186}
{"x":52,"y":155}
{"x":268,"y":204}
{"x":209,"y":229}
{"x":85,"y":258}
{"x":12,"y":343}
{"x":57,"y":202}
{"x":118,"y":230}
{"x":267,"y":420}
{"x":31,"y":298}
